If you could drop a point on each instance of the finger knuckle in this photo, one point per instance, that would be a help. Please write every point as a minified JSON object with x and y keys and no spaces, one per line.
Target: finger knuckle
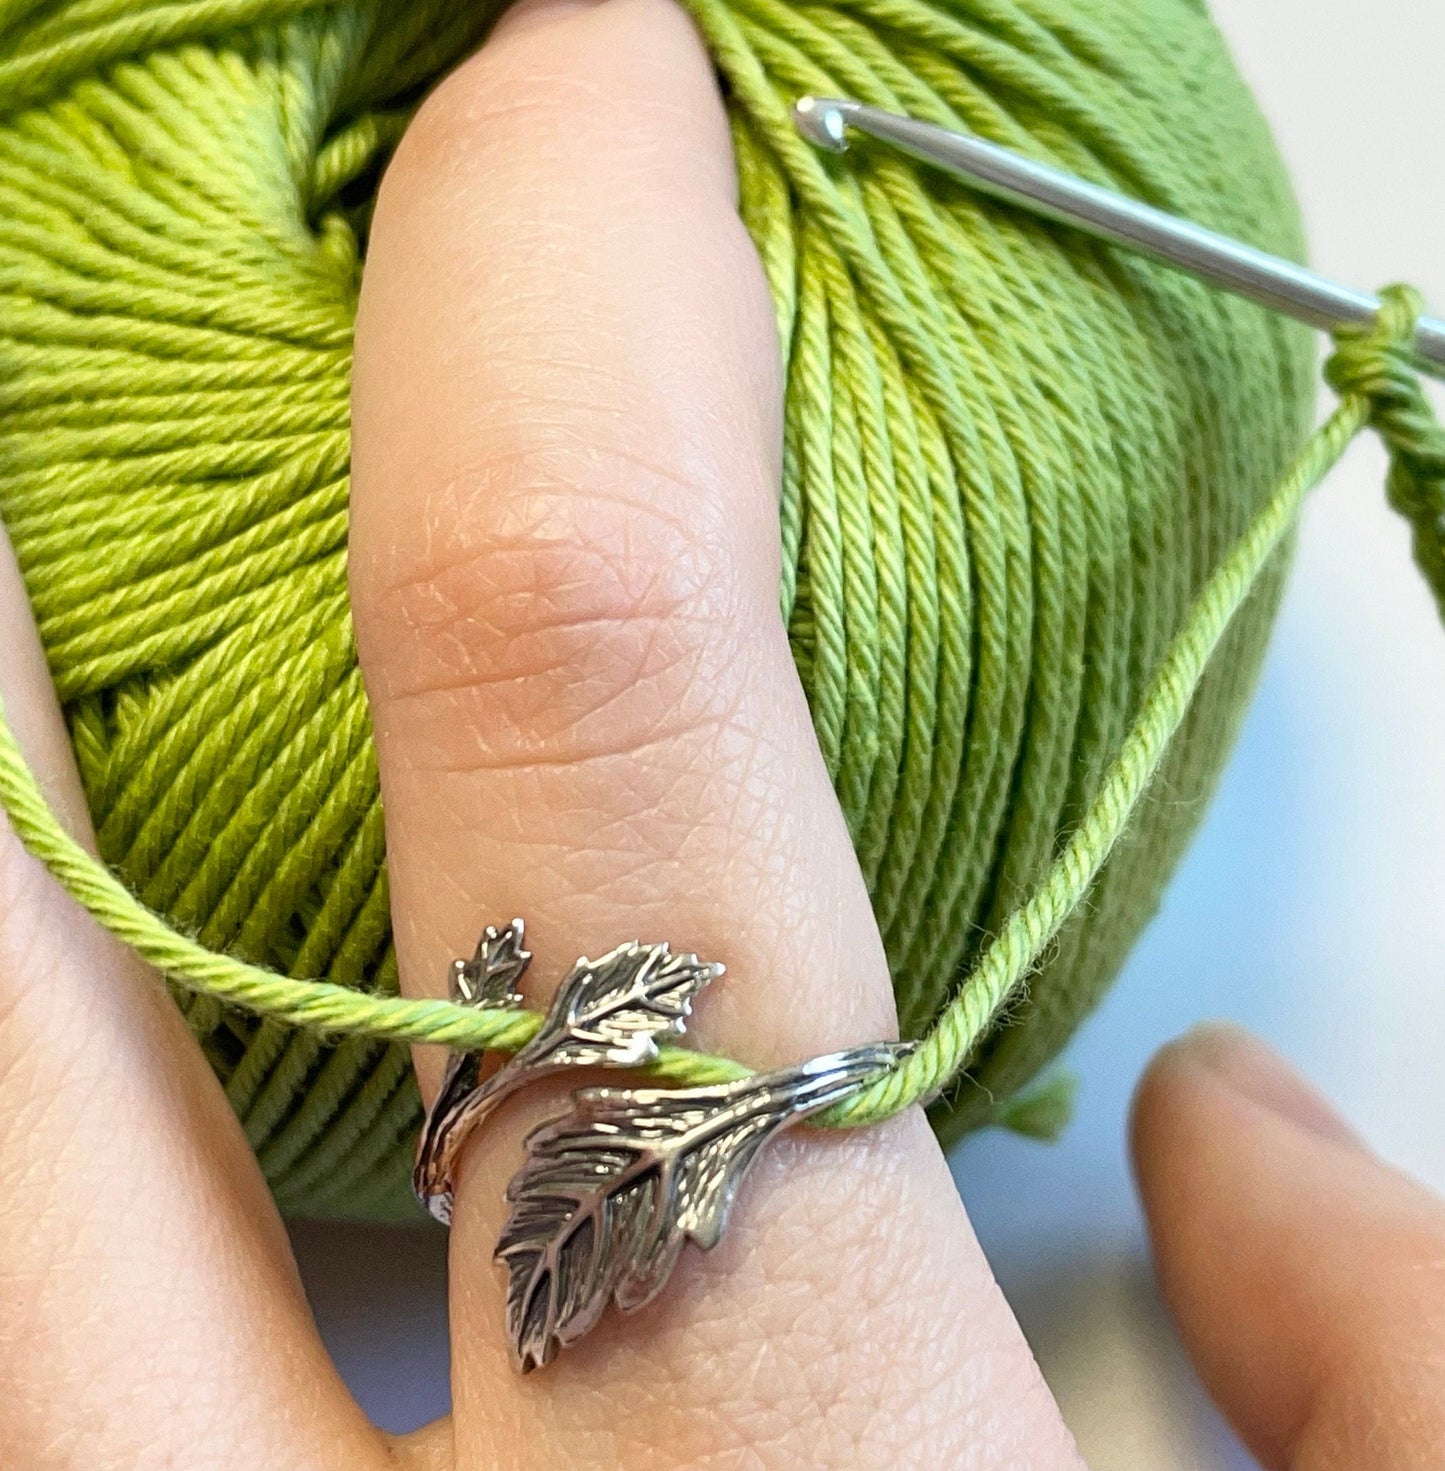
{"x":552,"y":606}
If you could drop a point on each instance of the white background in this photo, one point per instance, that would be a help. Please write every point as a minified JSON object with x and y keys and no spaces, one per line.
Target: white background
{"x":1310,"y":907}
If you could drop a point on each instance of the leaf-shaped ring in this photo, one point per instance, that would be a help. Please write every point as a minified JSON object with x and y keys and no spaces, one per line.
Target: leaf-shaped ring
{"x":610,"y":1012}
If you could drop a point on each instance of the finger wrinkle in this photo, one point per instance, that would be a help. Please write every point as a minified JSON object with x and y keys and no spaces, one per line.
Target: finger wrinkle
{"x":503,"y":573}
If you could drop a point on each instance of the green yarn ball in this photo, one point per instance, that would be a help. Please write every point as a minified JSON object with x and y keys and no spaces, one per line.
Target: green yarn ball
{"x":1013,"y":457}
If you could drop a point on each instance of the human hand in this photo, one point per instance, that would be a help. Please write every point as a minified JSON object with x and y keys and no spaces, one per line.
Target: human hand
{"x":565,"y":588}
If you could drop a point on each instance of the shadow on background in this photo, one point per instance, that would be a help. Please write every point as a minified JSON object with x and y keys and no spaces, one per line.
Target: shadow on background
{"x":380,"y":1298}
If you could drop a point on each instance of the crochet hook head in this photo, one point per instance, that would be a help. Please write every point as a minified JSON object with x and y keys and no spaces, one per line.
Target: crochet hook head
{"x":1044,"y":190}
{"x":824,"y":121}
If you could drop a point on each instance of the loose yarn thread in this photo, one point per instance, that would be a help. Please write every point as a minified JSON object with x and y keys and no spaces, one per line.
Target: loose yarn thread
{"x":1031,"y":552}
{"x":1380,"y":389}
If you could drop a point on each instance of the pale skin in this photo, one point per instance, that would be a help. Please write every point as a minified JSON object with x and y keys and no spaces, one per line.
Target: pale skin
{"x":564,"y":574}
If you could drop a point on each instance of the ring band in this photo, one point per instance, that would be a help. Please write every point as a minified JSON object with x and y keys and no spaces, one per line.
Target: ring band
{"x":488,"y":979}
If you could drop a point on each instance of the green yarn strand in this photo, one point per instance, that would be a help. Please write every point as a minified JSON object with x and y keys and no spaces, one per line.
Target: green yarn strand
{"x":1378,"y":380}
{"x":1008,"y":960}
{"x":1388,"y":380}
{"x":1035,"y":509}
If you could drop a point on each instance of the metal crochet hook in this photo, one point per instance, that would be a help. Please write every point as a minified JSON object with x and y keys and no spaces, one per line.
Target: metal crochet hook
{"x":1225,"y":262}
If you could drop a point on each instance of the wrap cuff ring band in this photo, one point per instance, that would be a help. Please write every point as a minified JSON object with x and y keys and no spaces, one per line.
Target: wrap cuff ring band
{"x":612,"y":1190}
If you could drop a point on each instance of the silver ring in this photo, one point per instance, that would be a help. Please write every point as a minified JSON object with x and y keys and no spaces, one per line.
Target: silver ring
{"x":612,"y":1190}
{"x":610,"y":1012}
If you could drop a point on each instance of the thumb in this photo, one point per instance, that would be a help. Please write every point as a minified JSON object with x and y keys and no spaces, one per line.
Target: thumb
{"x":1307,"y":1277}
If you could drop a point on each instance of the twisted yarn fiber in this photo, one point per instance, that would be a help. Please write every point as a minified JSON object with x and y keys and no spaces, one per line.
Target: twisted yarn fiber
{"x":1032,"y":509}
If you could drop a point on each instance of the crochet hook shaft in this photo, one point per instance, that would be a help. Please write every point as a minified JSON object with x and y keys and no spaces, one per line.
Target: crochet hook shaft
{"x":1278,"y":284}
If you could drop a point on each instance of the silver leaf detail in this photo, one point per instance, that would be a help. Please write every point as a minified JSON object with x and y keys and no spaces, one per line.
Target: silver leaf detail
{"x":614,"y":1011}
{"x":610,"y":1012}
{"x":488,"y":981}
{"x":612,"y":1191}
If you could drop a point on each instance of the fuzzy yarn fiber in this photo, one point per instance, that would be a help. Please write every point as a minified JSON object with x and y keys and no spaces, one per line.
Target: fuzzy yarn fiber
{"x":1036,"y":504}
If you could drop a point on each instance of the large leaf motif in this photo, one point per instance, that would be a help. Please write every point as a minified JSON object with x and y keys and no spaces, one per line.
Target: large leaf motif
{"x":612,"y":1191}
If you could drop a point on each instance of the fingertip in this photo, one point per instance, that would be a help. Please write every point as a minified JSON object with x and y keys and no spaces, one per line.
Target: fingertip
{"x":1291,"y":1257}
{"x":1221,"y":1062}
{"x":1163,"y":1115}
{"x":523,"y":15}
{"x":1224,"y":1130}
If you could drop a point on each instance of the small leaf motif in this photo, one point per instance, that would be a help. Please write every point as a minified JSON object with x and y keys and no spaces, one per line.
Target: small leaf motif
{"x":613,"y":1012}
{"x":489,"y":979}
{"x":613,"y":1190}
